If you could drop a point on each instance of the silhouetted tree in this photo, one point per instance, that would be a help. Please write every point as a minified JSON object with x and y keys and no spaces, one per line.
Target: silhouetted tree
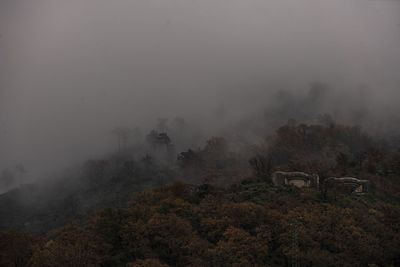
{"x":122,"y":134}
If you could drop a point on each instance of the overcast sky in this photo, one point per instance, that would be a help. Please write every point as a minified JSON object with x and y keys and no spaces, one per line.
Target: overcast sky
{"x":71,"y":70}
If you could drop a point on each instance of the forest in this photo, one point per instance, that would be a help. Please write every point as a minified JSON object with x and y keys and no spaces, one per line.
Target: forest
{"x":199,"y":133}
{"x":217,"y":205}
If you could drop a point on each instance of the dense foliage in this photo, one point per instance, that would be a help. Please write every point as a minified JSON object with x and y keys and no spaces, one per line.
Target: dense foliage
{"x":248,"y":221}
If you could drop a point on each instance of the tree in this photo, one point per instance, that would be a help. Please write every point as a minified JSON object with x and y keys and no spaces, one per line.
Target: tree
{"x":72,"y":246}
{"x":156,"y":139}
{"x":190,"y":159}
{"x":122,"y":134}
{"x":216,"y":146}
{"x":342,"y":163}
{"x":147,"y":263}
{"x":16,"y":249}
{"x":262,"y":165}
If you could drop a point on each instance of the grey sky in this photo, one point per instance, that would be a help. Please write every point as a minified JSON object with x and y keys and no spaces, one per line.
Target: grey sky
{"x":73,"y":69}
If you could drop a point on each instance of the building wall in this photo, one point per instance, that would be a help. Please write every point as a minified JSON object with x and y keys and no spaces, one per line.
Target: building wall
{"x":298,"y":179}
{"x":298,"y":183}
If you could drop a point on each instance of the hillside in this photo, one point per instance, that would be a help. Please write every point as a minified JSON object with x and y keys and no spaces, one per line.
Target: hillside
{"x":225,"y":210}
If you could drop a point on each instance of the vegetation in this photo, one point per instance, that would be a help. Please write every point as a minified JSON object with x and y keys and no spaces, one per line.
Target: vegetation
{"x":234,"y":216}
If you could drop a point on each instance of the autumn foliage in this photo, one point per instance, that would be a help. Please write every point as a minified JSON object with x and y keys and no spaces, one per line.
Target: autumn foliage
{"x":247,"y":222}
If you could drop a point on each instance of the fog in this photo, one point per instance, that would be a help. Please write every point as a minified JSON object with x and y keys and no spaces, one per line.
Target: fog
{"x":73,"y":70}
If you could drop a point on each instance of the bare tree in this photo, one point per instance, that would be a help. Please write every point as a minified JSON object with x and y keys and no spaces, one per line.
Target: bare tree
{"x":122,"y":134}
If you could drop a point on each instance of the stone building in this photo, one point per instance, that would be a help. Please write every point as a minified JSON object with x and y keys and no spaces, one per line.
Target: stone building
{"x":347,"y":184}
{"x":299,"y":179}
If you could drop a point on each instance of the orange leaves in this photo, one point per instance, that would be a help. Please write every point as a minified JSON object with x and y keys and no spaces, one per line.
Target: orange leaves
{"x":164,"y":235}
{"x":16,"y":248}
{"x":241,"y":248}
{"x":147,"y":263}
{"x":246,"y":215}
{"x":213,"y":228}
{"x":216,"y":147}
{"x":244,"y":225}
{"x":315,"y":142}
{"x":180,"y":190}
{"x":236,"y":245}
{"x":71,"y":246}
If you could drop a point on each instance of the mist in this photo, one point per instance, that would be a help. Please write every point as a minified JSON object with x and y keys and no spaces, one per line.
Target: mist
{"x":71,"y":71}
